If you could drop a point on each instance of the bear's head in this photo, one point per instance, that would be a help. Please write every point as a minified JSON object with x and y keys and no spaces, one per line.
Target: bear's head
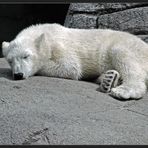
{"x":24,"y":55}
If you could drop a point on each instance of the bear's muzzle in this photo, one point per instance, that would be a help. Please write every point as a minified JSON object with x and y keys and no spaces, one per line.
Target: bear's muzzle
{"x":18,"y":76}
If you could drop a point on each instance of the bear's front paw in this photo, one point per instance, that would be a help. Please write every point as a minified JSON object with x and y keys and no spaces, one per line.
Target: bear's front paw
{"x":108,"y":80}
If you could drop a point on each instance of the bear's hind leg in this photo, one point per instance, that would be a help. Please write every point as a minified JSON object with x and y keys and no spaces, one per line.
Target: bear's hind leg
{"x":129,"y":91}
{"x":134,"y":84}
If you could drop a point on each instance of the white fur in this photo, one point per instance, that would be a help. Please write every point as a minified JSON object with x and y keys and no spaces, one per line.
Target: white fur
{"x":57,"y":51}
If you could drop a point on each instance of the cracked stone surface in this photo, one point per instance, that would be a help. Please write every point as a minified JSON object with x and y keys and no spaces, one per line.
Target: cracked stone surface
{"x":130,"y":17}
{"x":49,"y":111}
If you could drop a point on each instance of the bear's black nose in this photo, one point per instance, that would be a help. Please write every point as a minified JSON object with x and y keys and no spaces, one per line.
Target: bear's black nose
{"x":18,"y":76}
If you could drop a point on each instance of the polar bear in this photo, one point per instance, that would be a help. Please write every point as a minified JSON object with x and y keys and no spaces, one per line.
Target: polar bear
{"x":56,"y":51}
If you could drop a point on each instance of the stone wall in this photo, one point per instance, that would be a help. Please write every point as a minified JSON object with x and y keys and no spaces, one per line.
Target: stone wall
{"x":130,"y":17}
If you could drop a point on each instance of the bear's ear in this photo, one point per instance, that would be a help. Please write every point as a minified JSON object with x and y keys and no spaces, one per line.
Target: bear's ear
{"x":5,"y":48}
{"x":40,"y":42}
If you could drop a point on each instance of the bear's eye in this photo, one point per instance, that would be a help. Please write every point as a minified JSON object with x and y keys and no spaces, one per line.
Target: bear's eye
{"x":26,"y":56}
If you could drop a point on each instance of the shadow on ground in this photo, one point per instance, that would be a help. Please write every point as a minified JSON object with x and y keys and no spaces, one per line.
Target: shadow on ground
{"x":5,"y":73}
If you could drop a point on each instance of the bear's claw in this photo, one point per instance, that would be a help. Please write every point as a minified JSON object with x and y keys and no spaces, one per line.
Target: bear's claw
{"x":109,"y":80}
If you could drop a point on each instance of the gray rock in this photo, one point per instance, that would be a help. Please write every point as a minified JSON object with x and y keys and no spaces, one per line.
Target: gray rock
{"x":83,"y":7}
{"x":97,"y":9}
{"x":101,"y":8}
{"x":134,"y":21}
{"x":81,"y":21}
{"x":106,"y":8}
{"x":49,"y":111}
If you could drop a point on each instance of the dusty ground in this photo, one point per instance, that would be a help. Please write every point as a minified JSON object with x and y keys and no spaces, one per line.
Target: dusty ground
{"x":43,"y":110}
